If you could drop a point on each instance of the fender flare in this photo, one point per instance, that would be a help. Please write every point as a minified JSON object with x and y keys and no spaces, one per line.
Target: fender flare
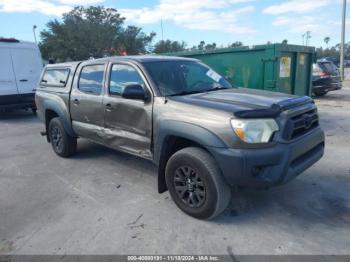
{"x":60,"y":109}
{"x":169,"y":128}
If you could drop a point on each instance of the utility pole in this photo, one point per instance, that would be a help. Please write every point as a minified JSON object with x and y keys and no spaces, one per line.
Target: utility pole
{"x":161,"y":26}
{"x":342,"y":41}
{"x":34,"y":27}
{"x":308,"y":36}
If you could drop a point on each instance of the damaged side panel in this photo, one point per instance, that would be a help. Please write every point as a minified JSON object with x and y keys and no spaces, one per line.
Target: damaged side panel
{"x":128,"y":126}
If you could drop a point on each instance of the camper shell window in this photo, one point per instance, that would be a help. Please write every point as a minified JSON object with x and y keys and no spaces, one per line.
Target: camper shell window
{"x":55,"y":77}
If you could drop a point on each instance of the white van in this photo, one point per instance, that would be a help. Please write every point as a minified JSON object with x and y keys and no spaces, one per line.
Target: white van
{"x":20,"y":68}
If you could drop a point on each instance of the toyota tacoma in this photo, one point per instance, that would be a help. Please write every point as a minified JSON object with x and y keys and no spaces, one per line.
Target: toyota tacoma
{"x":205,"y":135}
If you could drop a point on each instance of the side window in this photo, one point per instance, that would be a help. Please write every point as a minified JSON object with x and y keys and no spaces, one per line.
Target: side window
{"x":55,"y":77}
{"x":91,"y":79}
{"x":121,"y":76}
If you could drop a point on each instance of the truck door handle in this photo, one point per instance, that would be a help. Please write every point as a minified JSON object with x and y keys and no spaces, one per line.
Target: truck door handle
{"x":76,"y":101}
{"x":109,"y":107}
{"x":23,"y":80}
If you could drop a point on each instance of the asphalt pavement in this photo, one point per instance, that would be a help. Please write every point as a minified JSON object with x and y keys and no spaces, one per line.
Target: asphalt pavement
{"x":105,"y":202}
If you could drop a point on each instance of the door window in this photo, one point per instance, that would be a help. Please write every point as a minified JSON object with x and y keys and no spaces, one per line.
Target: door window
{"x":91,"y":79}
{"x":55,"y":77}
{"x":121,"y":76}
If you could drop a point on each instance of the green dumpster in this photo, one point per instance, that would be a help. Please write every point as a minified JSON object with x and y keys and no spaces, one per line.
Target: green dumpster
{"x":274,"y":67}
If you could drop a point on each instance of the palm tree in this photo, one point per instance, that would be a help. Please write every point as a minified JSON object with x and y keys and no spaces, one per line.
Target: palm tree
{"x":326,"y":40}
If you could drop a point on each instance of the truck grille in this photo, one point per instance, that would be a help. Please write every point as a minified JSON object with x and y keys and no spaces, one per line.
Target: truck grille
{"x":300,"y":124}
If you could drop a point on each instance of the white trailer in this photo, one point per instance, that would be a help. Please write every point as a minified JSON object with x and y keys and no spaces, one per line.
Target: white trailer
{"x":20,"y":68}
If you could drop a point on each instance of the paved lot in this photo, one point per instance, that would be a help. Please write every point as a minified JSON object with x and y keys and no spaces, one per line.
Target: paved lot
{"x":105,"y":202}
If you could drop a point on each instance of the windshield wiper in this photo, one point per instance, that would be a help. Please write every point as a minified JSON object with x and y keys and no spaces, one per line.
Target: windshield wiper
{"x":187,"y":93}
{"x":216,"y":88}
{"x":199,"y":91}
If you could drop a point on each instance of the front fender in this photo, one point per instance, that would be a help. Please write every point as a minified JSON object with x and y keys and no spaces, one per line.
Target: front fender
{"x":189,"y":131}
{"x":171,"y":128}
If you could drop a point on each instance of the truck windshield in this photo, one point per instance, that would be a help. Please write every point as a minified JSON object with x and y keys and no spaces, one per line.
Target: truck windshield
{"x":184,"y":77}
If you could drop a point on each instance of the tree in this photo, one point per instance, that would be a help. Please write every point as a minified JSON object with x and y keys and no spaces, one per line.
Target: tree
{"x":333,"y":51}
{"x":133,"y":41}
{"x":201,"y":45}
{"x":326,"y":40}
{"x":91,"y":32}
{"x":285,"y":41}
{"x":209,"y":47}
{"x":168,"y":46}
{"x":236,"y":44}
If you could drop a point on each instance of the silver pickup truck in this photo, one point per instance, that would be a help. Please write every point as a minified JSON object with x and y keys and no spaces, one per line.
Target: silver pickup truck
{"x":204,"y":135}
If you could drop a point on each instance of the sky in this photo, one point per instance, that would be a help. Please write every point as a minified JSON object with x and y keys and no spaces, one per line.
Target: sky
{"x":252,"y":22}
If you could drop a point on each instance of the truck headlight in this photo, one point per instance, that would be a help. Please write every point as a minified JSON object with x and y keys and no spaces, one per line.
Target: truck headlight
{"x":254,"y":130}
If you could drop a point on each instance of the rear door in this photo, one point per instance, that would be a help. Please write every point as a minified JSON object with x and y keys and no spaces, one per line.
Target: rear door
{"x":7,"y":78}
{"x":86,"y":107}
{"x":27,"y":67}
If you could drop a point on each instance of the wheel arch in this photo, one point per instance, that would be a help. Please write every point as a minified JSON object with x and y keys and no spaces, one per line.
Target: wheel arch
{"x":53,"y":110}
{"x":174,"y":136}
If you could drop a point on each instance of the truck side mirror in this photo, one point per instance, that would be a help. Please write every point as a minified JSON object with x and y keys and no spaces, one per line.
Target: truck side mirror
{"x":134,"y":92}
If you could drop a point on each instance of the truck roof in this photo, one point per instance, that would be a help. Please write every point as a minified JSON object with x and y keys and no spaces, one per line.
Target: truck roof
{"x":136,"y":58}
{"x":148,"y":58}
{"x":65,"y":64}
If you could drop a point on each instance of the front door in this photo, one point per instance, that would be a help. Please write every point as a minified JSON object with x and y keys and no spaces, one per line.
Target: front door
{"x":128,"y":122}
{"x":27,"y":65}
{"x":86,"y":107}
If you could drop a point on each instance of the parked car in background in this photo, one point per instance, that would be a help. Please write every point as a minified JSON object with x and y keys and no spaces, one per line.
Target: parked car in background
{"x":20,"y":68}
{"x":204,"y":135}
{"x":334,"y":60}
{"x":325,"y":78}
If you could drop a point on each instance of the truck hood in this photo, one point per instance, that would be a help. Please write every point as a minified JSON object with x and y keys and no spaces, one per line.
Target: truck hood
{"x":243,"y":100}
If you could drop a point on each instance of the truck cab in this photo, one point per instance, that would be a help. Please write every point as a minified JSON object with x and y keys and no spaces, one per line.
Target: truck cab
{"x":205,"y":135}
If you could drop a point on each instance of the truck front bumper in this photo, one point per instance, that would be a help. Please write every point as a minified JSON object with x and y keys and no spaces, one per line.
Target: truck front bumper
{"x":271,"y":166}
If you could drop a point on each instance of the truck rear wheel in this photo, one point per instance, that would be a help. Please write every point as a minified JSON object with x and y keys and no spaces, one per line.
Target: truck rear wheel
{"x":62,"y":143}
{"x":195,"y":183}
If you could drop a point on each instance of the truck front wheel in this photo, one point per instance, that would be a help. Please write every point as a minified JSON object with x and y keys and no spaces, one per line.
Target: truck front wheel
{"x":195,"y":183}
{"x":62,"y":143}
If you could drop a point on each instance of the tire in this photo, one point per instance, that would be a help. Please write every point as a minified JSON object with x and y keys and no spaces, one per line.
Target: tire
{"x":319,"y":94}
{"x":195,"y":183}
{"x":62,"y":143}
